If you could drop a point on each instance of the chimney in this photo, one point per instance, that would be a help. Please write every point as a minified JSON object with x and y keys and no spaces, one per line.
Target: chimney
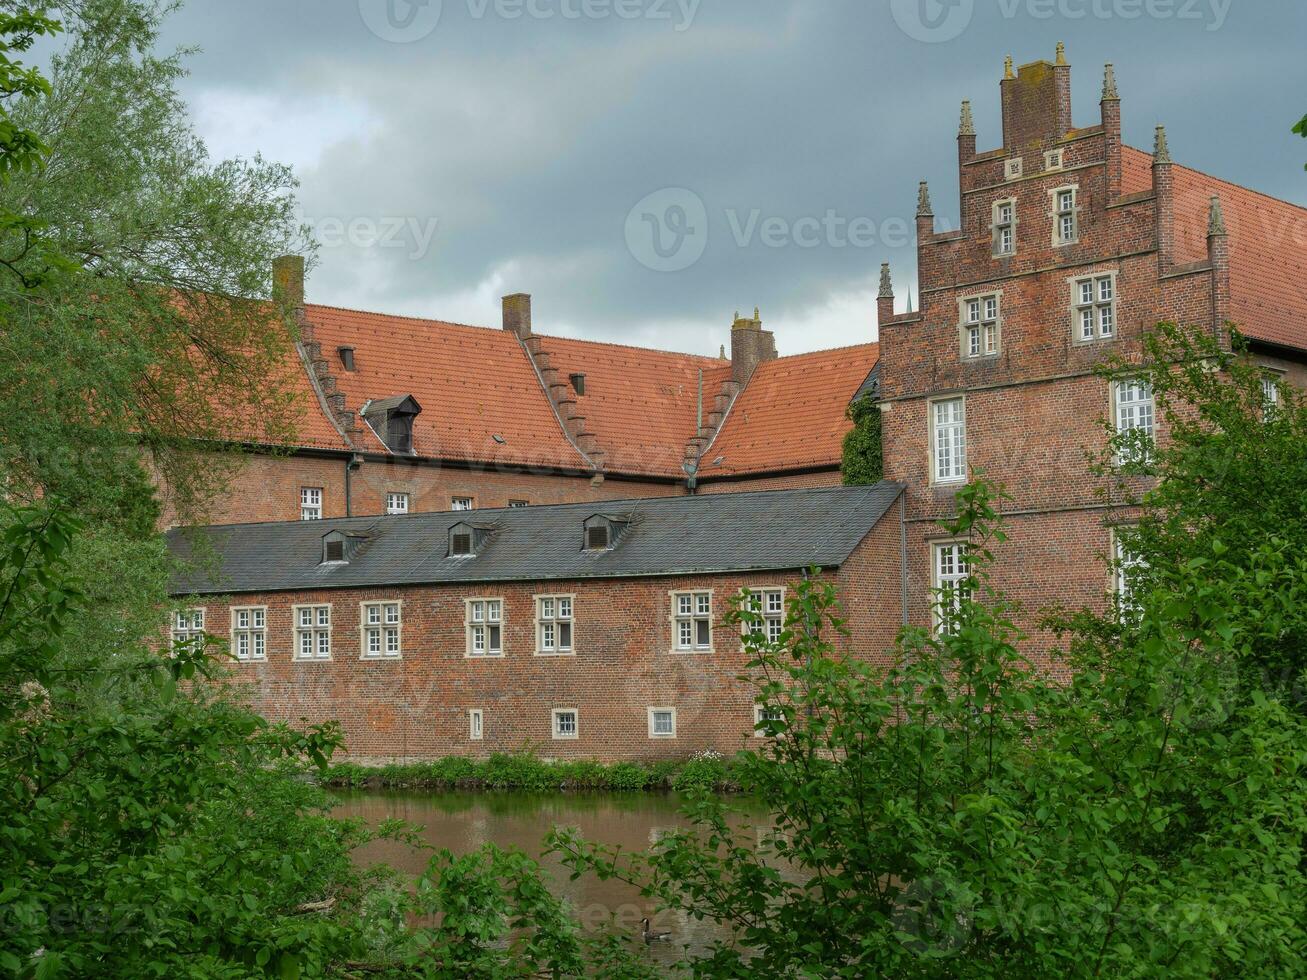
{"x":1036,"y":103}
{"x":750,"y":346}
{"x":1111,"y":106}
{"x":925,"y":213}
{"x":288,"y":281}
{"x":517,"y":314}
{"x":1218,"y":253}
{"x":966,"y":153}
{"x":885,"y":300}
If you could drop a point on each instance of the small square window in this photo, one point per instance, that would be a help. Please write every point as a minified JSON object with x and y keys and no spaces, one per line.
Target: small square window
{"x":565,"y":723}
{"x":1053,"y":160}
{"x":765,"y":715}
{"x":519,"y":503}
{"x":1012,"y":169}
{"x":662,"y":722}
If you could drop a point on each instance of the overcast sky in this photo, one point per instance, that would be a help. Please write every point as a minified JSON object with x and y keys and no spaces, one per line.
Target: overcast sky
{"x":451,"y":151}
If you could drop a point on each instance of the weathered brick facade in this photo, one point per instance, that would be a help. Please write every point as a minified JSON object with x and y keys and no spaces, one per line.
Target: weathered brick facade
{"x":417,"y":705}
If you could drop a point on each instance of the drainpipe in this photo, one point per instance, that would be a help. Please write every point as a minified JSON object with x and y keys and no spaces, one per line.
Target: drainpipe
{"x":353,"y":463}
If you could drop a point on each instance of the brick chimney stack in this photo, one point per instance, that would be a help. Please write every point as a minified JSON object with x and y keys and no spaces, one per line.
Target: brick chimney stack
{"x":750,"y":346}
{"x":517,"y":315}
{"x":1164,"y":189}
{"x":1218,"y":253}
{"x":288,"y":281}
{"x":1036,"y":102}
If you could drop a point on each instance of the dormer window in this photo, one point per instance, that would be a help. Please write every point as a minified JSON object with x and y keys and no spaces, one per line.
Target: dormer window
{"x":333,"y":547}
{"x":602,"y":532}
{"x":392,"y":421}
{"x":467,"y":540}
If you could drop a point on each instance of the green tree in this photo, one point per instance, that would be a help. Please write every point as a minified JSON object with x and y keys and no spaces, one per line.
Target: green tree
{"x":137,"y":329}
{"x":964,"y":814}
{"x":1301,"y":129}
{"x":863,"y":461}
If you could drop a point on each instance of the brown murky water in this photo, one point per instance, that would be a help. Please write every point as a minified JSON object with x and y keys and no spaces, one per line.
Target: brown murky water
{"x":462,"y":822}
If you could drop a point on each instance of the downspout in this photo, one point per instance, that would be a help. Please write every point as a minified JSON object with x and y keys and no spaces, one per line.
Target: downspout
{"x":353,"y":463}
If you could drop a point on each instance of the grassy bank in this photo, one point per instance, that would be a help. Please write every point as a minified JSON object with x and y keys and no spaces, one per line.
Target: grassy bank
{"x":527,"y":772}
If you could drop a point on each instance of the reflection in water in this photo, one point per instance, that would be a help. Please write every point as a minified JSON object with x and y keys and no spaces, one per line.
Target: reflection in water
{"x":462,"y":822}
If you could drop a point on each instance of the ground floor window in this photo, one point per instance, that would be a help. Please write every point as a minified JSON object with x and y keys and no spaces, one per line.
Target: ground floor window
{"x":485,"y":627}
{"x":381,"y":629}
{"x":662,"y":722}
{"x":313,"y":632}
{"x":476,"y":724}
{"x":188,"y":628}
{"x":249,"y":632}
{"x":565,"y":723}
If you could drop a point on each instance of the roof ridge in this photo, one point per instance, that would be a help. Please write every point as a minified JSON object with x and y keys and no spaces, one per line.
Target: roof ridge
{"x":723,"y":362}
{"x":402,"y":316}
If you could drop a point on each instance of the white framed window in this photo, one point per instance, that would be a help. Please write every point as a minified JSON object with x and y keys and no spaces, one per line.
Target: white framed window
{"x":980,"y":325}
{"x":692,"y":620}
{"x":765,"y":713}
{"x":1005,"y":227}
{"x":188,"y":627}
{"x":1012,"y":169}
{"x":1271,"y":389}
{"x":476,"y":724}
{"x":1066,"y":223}
{"x":485,"y":627}
{"x":1053,"y":160}
{"x":312,"y":632}
{"x":951,"y":570}
{"x":948,"y":440}
{"x":519,"y":503}
{"x":1125,"y":573}
{"x":382,"y":625}
{"x":662,"y":722}
{"x":396,"y":503}
{"x":566,"y":723}
{"x":1093,"y":300}
{"x":1133,"y":410}
{"x":554,"y":624}
{"x":249,"y":632}
{"x":770,"y":605}
{"x":310,"y":503}
{"x":462,"y":503}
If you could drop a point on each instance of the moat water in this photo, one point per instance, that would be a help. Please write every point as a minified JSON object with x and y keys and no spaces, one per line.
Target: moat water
{"x":463,"y":821}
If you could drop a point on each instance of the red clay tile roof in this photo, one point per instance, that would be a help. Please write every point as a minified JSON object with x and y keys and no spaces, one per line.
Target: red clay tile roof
{"x":640,"y":404}
{"x":473,"y":384}
{"x":1268,"y":247}
{"x":791,"y":413}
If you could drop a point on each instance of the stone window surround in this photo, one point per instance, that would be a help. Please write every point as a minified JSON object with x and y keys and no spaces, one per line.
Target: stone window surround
{"x":1073,"y":310}
{"x":963,"y":346}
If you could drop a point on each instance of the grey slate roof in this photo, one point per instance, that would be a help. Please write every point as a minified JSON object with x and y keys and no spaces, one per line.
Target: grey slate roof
{"x":729,"y":532}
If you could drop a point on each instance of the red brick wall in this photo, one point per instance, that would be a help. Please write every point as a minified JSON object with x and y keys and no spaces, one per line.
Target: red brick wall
{"x":792,"y":481}
{"x":416,"y":707}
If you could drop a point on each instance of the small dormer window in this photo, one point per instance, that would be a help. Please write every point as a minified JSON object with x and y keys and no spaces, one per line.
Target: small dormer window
{"x":392,"y":420}
{"x":461,"y":544}
{"x":333,"y":547}
{"x":603,"y":532}
{"x":399,"y":433}
{"x":596,"y":538}
{"x":468,"y":540}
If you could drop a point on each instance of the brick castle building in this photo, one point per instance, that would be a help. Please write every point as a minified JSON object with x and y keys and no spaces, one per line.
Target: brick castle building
{"x":1072,"y":245}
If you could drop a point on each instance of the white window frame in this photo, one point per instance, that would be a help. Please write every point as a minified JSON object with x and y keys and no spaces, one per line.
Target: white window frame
{"x":560,"y":736}
{"x":462,"y":503}
{"x":1054,"y":159}
{"x":1094,"y":297}
{"x":958,"y":551}
{"x":1013,"y":169}
{"x":1001,"y":226}
{"x":1122,"y":565}
{"x":768,"y":602}
{"x":316,"y":631}
{"x":187,"y":624}
{"x":958,"y":472}
{"x":980,"y":325}
{"x":693,"y":615}
{"x":383,"y":628}
{"x":1272,"y":382}
{"x":397,"y":502}
{"x":249,"y":633}
{"x":653,"y":732}
{"x":310,"y":503}
{"x":519,"y":503}
{"x":758,"y":713}
{"x":553,"y":612}
{"x":481,"y":616}
{"x":1060,"y":214}
{"x":1133,"y":407}
{"x":476,"y":724}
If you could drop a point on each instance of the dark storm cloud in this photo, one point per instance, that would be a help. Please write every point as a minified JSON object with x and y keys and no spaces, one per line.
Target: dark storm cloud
{"x":503,"y":146}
